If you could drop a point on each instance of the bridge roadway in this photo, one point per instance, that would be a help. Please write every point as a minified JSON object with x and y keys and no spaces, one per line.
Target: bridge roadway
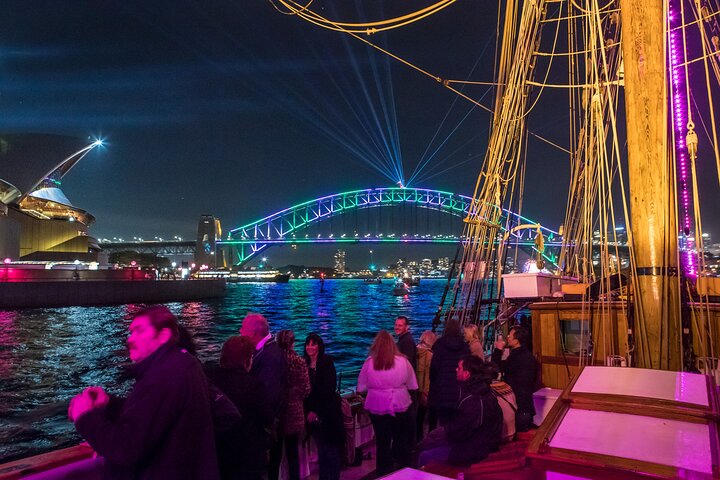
{"x":295,"y":225}
{"x":169,"y":247}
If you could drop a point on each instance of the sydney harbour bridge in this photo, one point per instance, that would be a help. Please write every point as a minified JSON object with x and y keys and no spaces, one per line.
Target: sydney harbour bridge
{"x":377,"y":215}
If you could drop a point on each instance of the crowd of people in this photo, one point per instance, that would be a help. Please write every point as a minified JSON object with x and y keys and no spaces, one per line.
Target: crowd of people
{"x":237,"y":418}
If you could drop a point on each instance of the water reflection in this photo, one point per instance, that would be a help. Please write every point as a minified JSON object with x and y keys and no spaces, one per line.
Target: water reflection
{"x":48,"y":355}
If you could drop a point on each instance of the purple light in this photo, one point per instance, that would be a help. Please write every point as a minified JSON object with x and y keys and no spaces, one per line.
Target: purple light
{"x":679,"y":80}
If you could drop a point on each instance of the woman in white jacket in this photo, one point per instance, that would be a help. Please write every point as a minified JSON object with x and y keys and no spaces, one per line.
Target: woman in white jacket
{"x":387,"y":376}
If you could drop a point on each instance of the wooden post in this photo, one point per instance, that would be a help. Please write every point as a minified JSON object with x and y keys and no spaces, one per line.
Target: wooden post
{"x":653,"y":217}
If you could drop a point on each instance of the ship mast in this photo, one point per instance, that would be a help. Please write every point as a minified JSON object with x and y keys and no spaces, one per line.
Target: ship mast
{"x":654,"y":222}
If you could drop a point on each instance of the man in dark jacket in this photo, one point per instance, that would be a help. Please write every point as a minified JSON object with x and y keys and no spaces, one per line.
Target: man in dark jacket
{"x":268,"y":366}
{"x":444,"y":387}
{"x":268,"y":363}
{"x":164,"y":428}
{"x":519,"y":371}
{"x":406,"y":345}
{"x":405,"y":340}
{"x":476,"y":429}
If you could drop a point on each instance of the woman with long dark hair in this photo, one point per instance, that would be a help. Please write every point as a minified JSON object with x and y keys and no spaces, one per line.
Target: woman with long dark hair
{"x":387,"y":376}
{"x":322,"y":408}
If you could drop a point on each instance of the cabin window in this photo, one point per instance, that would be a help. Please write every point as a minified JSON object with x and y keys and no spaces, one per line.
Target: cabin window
{"x":574,"y":337}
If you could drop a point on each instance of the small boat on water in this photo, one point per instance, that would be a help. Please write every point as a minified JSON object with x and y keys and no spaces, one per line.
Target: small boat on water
{"x":377,"y":280}
{"x":273,"y":276}
{"x":400,"y":289}
{"x":412,"y":281}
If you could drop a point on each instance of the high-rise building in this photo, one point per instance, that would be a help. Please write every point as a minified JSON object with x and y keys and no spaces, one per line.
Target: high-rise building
{"x":340,"y":262}
{"x":443,"y":263}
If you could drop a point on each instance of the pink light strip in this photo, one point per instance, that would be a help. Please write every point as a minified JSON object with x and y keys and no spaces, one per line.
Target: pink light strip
{"x":679,"y":115}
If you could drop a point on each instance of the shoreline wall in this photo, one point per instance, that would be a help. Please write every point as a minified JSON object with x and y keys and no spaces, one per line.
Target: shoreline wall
{"x":42,"y":294}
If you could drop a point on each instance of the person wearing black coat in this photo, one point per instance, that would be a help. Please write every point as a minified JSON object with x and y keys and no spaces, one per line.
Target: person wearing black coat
{"x":520,"y":372}
{"x":406,"y":346}
{"x":405,"y":341}
{"x":322,"y":408}
{"x":268,"y":366}
{"x":444,"y":386}
{"x":476,"y":429}
{"x":242,"y":447}
{"x":164,"y":428}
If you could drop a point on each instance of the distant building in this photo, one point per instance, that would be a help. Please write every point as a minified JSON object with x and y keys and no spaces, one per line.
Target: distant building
{"x":443,"y":263}
{"x":208,"y":232}
{"x":340,"y":262}
{"x":37,"y":221}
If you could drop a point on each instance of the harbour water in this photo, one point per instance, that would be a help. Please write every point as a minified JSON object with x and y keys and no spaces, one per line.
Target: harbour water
{"x":48,"y":355}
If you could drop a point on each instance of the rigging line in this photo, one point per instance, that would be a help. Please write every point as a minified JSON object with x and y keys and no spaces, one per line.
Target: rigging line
{"x":452,"y":154}
{"x":432,"y":175}
{"x":712,"y":110}
{"x":466,"y":97}
{"x":575,"y":52}
{"x":547,"y":73}
{"x":563,"y":149}
{"x":705,"y":18}
{"x":416,"y":170}
{"x":436,"y":78}
{"x":427,"y":160}
{"x":320,"y":21}
{"x":593,"y":11}
{"x":472,"y":82}
{"x":437,"y":132}
{"x":413,"y":15}
{"x":702,"y":119}
{"x":574,"y":86}
{"x":699,"y":59}
{"x":442,"y":144}
{"x":305,"y":7}
{"x":575,"y":17}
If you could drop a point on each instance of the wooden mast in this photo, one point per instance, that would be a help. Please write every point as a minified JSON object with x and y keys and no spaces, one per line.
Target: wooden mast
{"x":653,"y":218}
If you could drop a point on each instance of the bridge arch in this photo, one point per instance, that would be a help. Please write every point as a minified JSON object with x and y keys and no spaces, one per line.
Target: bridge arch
{"x":245,"y":242}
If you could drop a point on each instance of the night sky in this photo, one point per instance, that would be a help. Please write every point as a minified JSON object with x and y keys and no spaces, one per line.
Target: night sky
{"x":231,"y":108}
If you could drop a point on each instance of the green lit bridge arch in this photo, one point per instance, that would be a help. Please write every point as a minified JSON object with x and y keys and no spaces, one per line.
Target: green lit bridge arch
{"x":286,"y":227}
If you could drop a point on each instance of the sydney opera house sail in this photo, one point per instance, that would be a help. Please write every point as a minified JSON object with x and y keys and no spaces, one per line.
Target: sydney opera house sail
{"x":37,"y":220}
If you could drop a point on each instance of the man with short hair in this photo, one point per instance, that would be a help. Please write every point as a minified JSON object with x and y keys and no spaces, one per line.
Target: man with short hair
{"x":268,"y":366}
{"x":405,"y":340}
{"x":164,"y":428}
{"x":519,"y":371}
{"x":475,"y":430}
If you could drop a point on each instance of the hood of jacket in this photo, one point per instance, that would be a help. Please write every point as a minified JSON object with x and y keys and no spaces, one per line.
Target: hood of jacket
{"x":453,"y":343}
{"x":474,"y":386}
